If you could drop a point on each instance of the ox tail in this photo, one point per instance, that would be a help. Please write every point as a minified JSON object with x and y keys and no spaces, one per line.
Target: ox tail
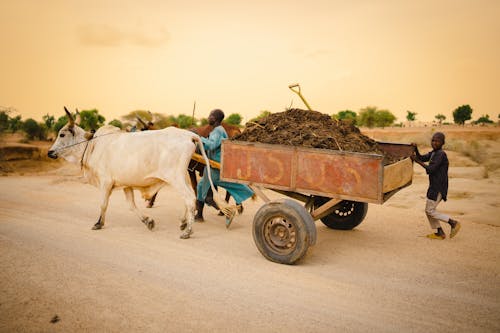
{"x":228,"y":210}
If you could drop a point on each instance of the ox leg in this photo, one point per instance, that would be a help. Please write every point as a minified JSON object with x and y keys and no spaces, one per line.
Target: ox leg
{"x":151,"y":201}
{"x":129,"y":195}
{"x":194,"y":181}
{"x":187,"y":193}
{"x":105,"y":193}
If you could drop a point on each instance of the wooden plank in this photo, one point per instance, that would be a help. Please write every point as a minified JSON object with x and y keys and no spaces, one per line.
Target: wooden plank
{"x":397,"y":175}
{"x":199,"y":158}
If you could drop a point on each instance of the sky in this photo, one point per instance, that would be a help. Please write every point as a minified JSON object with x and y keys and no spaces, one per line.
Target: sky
{"x":427,"y":56}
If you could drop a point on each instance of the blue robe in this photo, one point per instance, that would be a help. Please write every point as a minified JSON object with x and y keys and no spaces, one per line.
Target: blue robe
{"x":212,"y":145}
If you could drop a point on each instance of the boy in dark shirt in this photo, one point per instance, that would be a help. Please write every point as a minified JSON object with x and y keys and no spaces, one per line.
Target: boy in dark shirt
{"x":437,"y":169}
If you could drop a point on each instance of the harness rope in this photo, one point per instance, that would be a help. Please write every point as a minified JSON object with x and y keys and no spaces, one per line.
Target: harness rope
{"x":86,"y":146}
{"x":87,"y":141}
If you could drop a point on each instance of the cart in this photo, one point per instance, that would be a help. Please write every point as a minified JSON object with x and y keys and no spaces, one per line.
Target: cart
{"x":334,"y":187}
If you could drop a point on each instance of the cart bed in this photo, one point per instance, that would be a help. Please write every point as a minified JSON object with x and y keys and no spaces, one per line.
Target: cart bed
{"x":329,"y":173}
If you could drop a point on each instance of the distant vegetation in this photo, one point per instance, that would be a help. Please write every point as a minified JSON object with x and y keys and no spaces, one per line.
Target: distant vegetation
{"x":92,"y":120}
{"x":369,"y":116}
{"x":462,"y":114}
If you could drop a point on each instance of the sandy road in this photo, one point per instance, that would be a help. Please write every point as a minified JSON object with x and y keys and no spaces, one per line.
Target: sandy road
{"x":381,"y":277}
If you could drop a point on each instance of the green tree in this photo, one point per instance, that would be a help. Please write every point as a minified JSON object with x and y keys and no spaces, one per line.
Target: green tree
{"x":159,"y":120}
{"x":34,"y":130}
{"x":384,"y":118}
{"x":234,"y":119}
{"x":15,"y":124}
{"x":4,"y":120}
{"x":462,"y":114}
{"x":61,"y":121}
{"x":484,"y":119}
{"x":440,"y":118}
{"x":346,"y":115}
{"x":49,"y":121}
{"x":371,"y":117}
{"x":411,"y":116}
{"x":91,"y":119}
{"x":184,"y":121}
{"x":367,"y":116}
{"x":116,"y":123}
{"x":143,"y":114}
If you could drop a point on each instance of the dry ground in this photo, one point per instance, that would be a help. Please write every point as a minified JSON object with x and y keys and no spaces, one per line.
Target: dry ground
{"x":381,"y":277}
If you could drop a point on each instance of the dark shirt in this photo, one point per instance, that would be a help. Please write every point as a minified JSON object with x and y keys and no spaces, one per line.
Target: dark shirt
{"x":437,"y":169}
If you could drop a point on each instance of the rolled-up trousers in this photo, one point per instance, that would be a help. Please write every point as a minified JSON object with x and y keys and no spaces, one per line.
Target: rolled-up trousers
{"x":433,"y":215}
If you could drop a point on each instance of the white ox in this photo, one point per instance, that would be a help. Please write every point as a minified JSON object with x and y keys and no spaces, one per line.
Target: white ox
{"x":144,"y":161}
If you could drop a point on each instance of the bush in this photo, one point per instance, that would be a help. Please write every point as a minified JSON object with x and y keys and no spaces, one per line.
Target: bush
{"x":34,"y":130}
{"x":116,"y":123}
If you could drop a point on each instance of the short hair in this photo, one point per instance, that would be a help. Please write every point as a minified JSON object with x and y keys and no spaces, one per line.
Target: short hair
{"x":439,"y":135}
{"x":219,"y":114}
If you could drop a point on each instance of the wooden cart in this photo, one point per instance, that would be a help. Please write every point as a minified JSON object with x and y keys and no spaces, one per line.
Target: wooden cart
{"x":335,"y":187}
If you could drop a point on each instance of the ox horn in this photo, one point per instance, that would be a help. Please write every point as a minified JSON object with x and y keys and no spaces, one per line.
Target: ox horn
{"x":78,"y":118}
{"x":141,"y":121}
{"x":70,"y":117}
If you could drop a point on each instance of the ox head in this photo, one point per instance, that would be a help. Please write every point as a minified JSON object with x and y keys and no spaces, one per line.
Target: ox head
{"x":67,"y":144}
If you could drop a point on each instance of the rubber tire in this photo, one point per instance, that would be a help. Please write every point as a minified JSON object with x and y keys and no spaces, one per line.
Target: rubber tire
{"x":338,"y":222}
{"x":298,"y":220}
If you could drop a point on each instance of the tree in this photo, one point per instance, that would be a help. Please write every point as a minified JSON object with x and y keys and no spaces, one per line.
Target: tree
{"x":234,"y":119}
{"x":185,"y":121}
{"x":4,"y":120}
{"x":91,"y":119}
{"x":346,"y":115}
{"x":484,"y":119}
{"x":34,"y":130}
{"x":440,"y":118}
{"x":116,"y":123}
{"x":4,"y":117}
{"x":371,"y":117}
{"x":366,"y":117}
{"x":143,"y":114}
{"x":15,"y":123}
{"x":462,"y":114}
{"x":411,"y":116}
{"x":61,"y":121}
{"x":159,"y":120}
{"x":49,"y":121}
{"x":384,"y":118}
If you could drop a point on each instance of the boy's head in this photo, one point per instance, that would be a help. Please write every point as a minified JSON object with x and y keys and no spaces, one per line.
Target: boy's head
{"x":437,"y":140}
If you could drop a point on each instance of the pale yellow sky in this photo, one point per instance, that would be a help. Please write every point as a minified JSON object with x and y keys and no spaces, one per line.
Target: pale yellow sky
{"x":426,"y":56}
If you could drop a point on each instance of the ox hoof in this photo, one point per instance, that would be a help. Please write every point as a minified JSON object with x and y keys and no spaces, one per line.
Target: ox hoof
{"x":150,"y":223}
{"x":186,"y":234}
{"x":97,"y":226}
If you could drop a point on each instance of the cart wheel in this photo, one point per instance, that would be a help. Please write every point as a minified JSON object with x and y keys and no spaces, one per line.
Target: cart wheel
{"x":346,"y":214}
{"x":283,"y":231}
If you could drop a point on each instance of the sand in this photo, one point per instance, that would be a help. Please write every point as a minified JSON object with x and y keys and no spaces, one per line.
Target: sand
{"x":382,"y":276}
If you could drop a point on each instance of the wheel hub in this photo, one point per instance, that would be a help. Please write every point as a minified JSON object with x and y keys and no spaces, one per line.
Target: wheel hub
{"x":280,"y":235}
{"x":346,"y":209}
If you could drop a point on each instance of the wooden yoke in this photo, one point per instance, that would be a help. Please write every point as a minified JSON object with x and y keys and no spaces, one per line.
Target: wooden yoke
{"x":198,"y":158}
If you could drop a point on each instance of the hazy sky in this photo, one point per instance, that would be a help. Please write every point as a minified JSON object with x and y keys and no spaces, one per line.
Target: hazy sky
{"x":426,"y":56}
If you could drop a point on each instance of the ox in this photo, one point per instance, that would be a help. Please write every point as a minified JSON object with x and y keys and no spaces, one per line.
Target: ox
{"x":144,"y":161}
{"x":194,"y":166}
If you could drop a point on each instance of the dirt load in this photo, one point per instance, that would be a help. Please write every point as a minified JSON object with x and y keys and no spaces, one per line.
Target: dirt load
{"x":312,"y":129}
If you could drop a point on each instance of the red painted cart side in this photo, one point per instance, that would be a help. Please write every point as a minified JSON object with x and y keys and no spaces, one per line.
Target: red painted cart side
{"x":328,"y":173}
